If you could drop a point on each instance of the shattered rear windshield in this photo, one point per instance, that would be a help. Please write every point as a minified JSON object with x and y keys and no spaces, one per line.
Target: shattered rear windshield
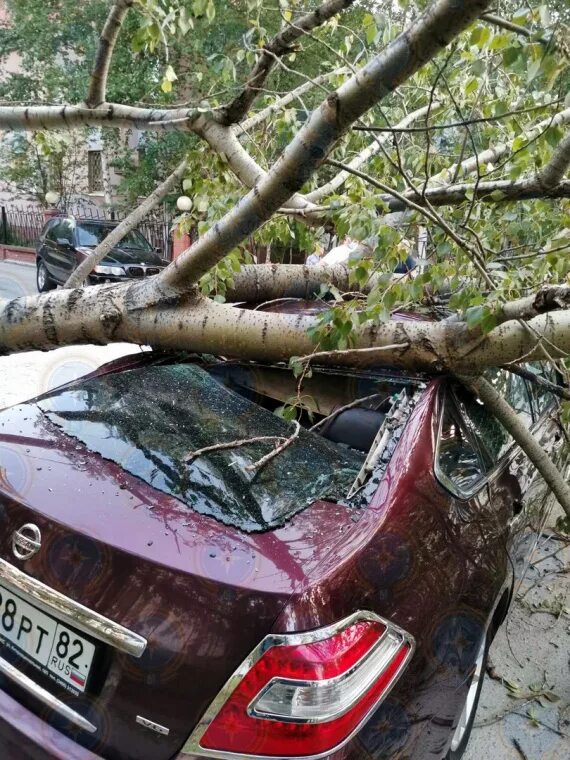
{"x":148,"y":420}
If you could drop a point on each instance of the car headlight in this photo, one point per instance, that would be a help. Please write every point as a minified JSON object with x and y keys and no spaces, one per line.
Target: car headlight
{"x":115,"y":271}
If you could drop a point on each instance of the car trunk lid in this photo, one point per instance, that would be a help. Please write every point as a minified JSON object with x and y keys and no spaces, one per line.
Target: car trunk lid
{"x":197,"y":591}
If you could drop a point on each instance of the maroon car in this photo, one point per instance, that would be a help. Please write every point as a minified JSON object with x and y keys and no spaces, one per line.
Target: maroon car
{"x":160,"y":598}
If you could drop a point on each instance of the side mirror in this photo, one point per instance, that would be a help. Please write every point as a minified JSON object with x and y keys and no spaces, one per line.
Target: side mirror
{"x":65,"y":243}
{"x":157,"y":249}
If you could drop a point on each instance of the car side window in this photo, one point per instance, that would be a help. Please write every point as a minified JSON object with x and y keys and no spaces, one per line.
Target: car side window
{"x":50,"y":233}
{"x":459,"y":463}
{"x":491,"y":436}
{"x":65,"y":230}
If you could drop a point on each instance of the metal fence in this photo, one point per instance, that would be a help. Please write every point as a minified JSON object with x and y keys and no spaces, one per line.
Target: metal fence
{"x":23,"y":226}
{"x":20,"y":226}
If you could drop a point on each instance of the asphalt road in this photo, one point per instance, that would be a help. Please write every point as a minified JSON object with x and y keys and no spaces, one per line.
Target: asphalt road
{"x":17,"y":279}
{"x":530,"y":652}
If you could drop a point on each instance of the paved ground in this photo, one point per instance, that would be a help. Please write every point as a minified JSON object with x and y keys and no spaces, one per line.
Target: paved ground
{"x":524,"y":712}
{"x":26,"y":375}
{"x":16,"y":279}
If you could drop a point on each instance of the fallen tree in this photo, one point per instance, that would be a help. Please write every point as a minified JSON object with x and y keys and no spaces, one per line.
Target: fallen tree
{"x":503,"y":314}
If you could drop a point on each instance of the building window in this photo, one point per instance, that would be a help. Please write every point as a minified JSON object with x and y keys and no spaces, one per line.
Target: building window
{"x":94,"y":171}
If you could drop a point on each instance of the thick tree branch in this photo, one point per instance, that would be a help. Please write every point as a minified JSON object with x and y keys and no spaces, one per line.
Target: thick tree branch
{"x":547,"y":183}
{"x":518,"y":429}
{"x":383,"y":74}
{"x":80,"y":274}
{"x":489,"y":192}
{"x":371,"y":150}
{"x":255,"y":283}
{"x":107,"y":115}
{"x":224,"y":141}
{"x":551,"y":175}
{"x":547,"y":299}
{"x":279,"y":46}
{"x":98,"y":85}
{"x":110,"y":313}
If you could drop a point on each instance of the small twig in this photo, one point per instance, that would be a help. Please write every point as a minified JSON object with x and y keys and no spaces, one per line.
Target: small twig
{"x":276,"y":451}
{"x":233,"y":445}
{"x":556,"y":390}
{"x":519,"y":749}
{"x":352,"y":404}
{"x":549,"y":556}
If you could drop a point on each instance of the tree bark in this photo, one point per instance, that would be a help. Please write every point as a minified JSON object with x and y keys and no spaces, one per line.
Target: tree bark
{"x":113,"y":313}
{"x":33,"y":118}
{"x":499,"y":191}
{"x":98,"y":86}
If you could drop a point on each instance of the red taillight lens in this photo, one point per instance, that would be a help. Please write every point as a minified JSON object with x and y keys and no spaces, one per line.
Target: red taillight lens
{"x":306,"y":694}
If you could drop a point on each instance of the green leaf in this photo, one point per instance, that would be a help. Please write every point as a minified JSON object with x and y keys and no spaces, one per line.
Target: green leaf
{"x":511,"y":54}
{"x":286,"y":412}
{"x":533,"y":69}
{"x":471,"y":85}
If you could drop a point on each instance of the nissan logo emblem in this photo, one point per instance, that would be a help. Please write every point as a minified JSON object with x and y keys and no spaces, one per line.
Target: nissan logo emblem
{"x":26,"y":541}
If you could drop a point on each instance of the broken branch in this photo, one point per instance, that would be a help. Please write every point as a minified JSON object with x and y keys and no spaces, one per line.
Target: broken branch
{"x":232,"y":445}
{"x":256,"y":466}
{"x":500,"y":408}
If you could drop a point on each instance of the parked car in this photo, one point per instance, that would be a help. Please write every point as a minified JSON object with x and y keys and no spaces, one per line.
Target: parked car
{"x":161,"y":599}
{"x":65,"y":242}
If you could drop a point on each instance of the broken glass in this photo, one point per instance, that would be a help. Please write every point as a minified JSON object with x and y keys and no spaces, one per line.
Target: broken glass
{"x":148,"y":420}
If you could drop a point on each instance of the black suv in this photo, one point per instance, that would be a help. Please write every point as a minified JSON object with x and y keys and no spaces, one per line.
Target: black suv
{"x":66,"y":241}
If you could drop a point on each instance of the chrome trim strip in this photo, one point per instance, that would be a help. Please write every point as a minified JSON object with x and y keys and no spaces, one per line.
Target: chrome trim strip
{"x":72,"y":612}
{"x":192,"y":746}
{"x":152,"y":726}
{"x":45,"y":697}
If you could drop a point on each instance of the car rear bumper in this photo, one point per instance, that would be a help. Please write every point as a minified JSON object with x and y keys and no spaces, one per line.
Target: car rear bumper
{"x":25,"y":736}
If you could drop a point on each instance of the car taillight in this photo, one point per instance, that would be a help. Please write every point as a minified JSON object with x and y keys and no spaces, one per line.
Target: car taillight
{"x":300,"y":695}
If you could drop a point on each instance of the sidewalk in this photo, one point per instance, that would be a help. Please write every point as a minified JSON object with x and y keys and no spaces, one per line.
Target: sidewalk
{"x":524,"y":712}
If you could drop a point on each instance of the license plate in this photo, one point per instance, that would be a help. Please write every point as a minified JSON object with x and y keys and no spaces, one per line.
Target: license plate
{"x":58,"y":651}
